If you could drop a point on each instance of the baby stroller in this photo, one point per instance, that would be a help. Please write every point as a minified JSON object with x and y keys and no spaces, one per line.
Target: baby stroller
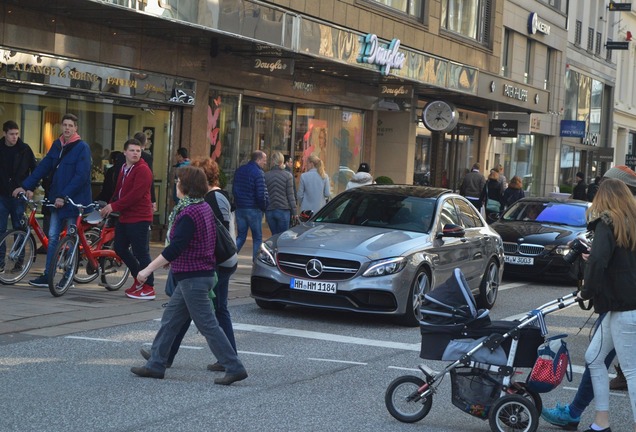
{"x":483,"y":356}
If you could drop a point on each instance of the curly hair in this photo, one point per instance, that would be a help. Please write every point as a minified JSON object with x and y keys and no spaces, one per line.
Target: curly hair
{"x":210,"y":168}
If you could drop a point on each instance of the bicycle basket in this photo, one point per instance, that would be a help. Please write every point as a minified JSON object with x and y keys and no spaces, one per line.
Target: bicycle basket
{"x":474,"y":390}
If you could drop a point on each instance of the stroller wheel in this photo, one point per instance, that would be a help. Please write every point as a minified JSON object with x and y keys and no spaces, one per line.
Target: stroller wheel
{"x":520,"y":388}
{"x":404,"y":402}
{"x":513,"y":413}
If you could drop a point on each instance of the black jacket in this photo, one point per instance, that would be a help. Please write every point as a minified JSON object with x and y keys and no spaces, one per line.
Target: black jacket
{"x":610,"y":271}
{"x":23,"y":166}
{"x":579,"y":191}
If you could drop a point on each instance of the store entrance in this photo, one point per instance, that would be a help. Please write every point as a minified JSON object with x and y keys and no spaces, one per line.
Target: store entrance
{"x":266,"y":127}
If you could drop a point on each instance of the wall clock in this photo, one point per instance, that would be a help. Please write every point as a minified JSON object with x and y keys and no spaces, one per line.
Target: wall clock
{"x":440,"y":116}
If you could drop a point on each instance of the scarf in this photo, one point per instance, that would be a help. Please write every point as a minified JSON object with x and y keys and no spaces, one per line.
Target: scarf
{"x":73,"y":138}
{"x":183,"y":203}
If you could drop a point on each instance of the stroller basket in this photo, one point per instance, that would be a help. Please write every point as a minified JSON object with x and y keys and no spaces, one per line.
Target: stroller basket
{"x":475,"y":390}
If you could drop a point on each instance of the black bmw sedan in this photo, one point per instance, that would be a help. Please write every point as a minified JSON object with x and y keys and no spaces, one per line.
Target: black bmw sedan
{"x":536,"y":233}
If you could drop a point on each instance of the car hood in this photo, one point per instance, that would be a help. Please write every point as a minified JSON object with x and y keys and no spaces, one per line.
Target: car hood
{"x":372,"y":243}
{"x":543,"y":234}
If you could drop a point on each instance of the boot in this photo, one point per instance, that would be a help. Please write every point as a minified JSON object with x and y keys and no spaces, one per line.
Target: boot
{"x":618,"y":383}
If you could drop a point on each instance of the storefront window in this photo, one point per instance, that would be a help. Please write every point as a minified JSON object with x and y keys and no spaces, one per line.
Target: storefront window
{"x":571,"y":95}
{"x":570,"y":163}
{"x":523,"y":159}
{"x":422,"y":168}
{"x":103,"y":126}
{"x":335,"y":136}
{"x":222,"y":132}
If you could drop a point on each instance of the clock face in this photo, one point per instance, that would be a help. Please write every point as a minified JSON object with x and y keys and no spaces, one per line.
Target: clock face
{"x":439,"y":116}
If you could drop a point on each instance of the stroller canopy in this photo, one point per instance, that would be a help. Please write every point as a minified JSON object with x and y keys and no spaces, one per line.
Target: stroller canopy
{"x":451,"y":303}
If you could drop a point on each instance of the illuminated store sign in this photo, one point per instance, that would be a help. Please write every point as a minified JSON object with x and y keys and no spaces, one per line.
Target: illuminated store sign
{"x":39,"y":69}
{"x":390,"y":57}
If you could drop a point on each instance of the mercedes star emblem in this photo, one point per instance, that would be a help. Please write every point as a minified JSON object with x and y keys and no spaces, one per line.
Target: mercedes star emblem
{"x":313,"y":268}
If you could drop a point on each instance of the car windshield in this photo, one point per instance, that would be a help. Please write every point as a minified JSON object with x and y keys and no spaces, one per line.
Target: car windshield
{"x":547,"y":212}
{"x":399,"y":212}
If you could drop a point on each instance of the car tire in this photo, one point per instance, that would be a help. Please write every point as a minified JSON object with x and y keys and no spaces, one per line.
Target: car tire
{"x":489,"y":287}
{"x":267,"y":305}
{"x":420,"y":286}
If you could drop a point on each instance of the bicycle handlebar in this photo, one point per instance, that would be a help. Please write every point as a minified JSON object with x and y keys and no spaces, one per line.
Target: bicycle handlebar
{"x":43,"y":202}
{"x":96,"y":204}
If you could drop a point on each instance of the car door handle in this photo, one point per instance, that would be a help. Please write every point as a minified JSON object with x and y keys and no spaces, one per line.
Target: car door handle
{"x":464,"y":239}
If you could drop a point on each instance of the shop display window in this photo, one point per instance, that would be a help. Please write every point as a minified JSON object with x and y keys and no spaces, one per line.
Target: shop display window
{"x":103,"y":126}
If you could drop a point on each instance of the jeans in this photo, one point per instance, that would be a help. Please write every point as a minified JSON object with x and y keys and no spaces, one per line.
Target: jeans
{"x":252,"y":219}
{"x":616,"y":331}
{"x":476,"y":202}
{"x":222,"y":313}
{"x":585,"y":393}
{"x":137,"y":236}
{"x":9,"y":207}
{"x":56,"y":226}
{"x":278,"y":220}
{"x":190,"y":299}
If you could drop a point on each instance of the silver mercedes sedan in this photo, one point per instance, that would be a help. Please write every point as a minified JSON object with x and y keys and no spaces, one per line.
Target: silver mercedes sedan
{"x":379,"y":249}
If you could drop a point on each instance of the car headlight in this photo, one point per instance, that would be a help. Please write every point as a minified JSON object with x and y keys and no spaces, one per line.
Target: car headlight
{"x":561,"y":250}
{"x":385,"y":267}
{"x":266,"y":254}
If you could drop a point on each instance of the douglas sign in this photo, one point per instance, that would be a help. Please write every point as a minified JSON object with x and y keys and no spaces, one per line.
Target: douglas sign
{"x":390,"y":57}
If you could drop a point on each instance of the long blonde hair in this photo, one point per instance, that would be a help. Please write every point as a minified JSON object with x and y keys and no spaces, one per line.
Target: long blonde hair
{"x":615,"y":200}
{"x":317,"y":163}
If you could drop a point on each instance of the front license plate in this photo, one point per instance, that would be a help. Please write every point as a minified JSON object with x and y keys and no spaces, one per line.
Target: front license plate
{"x":518,"y":260}
{"x":310,"y":285}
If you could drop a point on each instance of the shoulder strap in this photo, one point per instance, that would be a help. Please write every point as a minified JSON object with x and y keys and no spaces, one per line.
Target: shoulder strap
{"x":215,"y":205}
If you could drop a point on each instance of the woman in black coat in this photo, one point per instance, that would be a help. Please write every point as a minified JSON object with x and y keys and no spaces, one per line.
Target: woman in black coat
{"x":492,"y":197}
{"x":513,"y":193}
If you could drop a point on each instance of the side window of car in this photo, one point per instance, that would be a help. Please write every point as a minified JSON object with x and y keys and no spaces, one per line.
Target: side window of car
{"x":467,"y":214}
{"x":448,"y":214}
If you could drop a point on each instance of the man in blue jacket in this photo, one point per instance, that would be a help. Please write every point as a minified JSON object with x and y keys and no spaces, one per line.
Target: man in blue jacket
{"x":251,"y":200}
{"x":67,"y":166}
{"x":16,"y":163}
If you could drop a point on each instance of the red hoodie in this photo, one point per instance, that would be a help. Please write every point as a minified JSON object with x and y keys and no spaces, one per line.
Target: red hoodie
{"x":132,"y":193}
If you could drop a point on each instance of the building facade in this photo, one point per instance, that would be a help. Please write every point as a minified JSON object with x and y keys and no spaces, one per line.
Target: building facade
{"x":346,"y":80}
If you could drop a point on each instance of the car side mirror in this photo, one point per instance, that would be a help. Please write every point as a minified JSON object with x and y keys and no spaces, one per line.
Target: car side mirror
{"x":452,"y":230}
{"x":305,"y":215}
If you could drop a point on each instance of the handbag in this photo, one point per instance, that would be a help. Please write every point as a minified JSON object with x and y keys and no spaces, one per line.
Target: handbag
{"x":493,"y":206}
{"x":225,"y":247}
{"x":553,"y":363}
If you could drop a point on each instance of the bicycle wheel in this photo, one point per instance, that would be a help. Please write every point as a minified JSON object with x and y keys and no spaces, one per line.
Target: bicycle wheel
{"x":113,"y":270}
{"x":85,"y":273}
{"x":63,"y":266}
{"x":403,"y":401}
{"x":17,"y":252}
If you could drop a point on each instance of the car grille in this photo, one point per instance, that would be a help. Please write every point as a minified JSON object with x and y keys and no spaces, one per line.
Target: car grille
{"x":523,"y":249}
{"x":333,"y":269}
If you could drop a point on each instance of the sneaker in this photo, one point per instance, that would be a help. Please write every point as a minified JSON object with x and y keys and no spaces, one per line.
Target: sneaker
{"x":41,"y":281}
{"x":146,"y":292}
{"x":62,"y":283}
{"x":2,"y":268}
{"x":560,"y":416}
{"x":41,"y":250}
{"x":607,"y":429}
{"x":134,"y":287}
{"x":17,"y":268}
{"x":619,"y":382}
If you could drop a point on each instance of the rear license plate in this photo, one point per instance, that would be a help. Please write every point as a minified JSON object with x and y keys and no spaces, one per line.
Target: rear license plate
{"x":518,"y":260}
{"x":310,"y":285}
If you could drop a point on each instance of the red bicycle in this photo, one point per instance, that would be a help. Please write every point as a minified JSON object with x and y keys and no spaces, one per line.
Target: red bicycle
{"x":17,"y":247}
{"x":101,"y":259}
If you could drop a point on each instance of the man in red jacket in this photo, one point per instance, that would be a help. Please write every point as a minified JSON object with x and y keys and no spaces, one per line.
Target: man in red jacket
{"x":132,"y":201}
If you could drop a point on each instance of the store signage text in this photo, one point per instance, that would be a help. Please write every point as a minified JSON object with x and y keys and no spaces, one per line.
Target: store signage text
{"x":572,"y":128}
{"x":503,"y":128}
{"x":515,"y":92}
{"x":27,"y":67}
{"x":396,"y":91}
{"x":619,"y":7}
{"x":303,"y":86}
{"x":390,"y":57}
{"x":270,"y":66}
{"x":535,"y":25}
